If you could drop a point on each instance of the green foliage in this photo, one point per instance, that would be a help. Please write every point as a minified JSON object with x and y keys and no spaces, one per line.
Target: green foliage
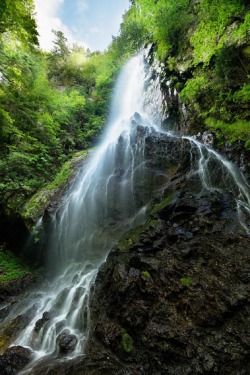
{"x":185,"y":281}
{"x":161,"y":22}
{"x":243,"y":95}
{"x":208,"y":40}
{"x":11,"y":267}
{"x":171,"y":18}
{"x":36,"y":205}
{"x":195,"y":88}
{"x":239,"y":130}
{"x":165,"y":202}
{"x":127,"y":341}
{"x":213,"y":32}
{"x":17,"y":17}
{"x":52,"y":104}
{"x":134,"y":32}
{"x":61,"y":49}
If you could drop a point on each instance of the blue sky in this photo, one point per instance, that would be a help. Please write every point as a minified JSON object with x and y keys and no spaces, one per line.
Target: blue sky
{"x":87,"y":22}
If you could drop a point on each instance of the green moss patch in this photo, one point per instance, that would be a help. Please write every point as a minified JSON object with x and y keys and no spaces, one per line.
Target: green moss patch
{"x":163,"y":204}
{"x":185,"y":281}
{"x":35,"y":207}
{"x":127,"y":341}
{"x":235,"y":131}
{"x":11,"y":267}
{"x":133,"y":235}
{"x":146,"y":274}
{"x":130,"y":237}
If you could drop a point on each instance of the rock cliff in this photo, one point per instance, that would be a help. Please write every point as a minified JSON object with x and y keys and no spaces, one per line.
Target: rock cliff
{"x":173,"y":295}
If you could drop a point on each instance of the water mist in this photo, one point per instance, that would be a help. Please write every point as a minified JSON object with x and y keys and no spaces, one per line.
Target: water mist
{"x":101,"y":205}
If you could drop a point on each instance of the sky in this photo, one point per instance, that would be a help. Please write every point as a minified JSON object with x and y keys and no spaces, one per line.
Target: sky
{"x":90,"y":23}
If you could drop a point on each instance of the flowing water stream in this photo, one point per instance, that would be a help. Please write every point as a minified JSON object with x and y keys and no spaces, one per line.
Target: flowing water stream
{"x":103,"y":203}
{"x":217,"y":173}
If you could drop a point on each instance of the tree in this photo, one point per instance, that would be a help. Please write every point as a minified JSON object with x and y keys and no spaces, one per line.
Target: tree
{"x":17,"y":17}
{"x":61,"y":48}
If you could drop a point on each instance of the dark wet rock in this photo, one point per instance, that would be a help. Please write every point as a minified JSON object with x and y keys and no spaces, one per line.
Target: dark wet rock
{"x":238,"y":154}
{"x":173,"y":296}
{"x":14,"y":360}
{"x":11,"y":327}
{"x":41,"y":322}
{"x":16,"y":287}
{"x":66,"y":342}
{"x":179,"y":287}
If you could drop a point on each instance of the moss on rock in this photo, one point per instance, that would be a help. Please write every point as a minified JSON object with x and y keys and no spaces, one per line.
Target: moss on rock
{"x":164,"y":203}
{"x":36,"y":205}
{"x":12,"y":268}
{"x":127,"y":341}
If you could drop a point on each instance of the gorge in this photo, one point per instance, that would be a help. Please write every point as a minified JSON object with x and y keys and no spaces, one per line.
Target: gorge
{"x":148,"y":254}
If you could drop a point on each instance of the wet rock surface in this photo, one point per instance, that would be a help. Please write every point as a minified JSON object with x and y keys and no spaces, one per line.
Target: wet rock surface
{"x":14,"y":360}
{"x":180,"y":291}
{"x":173,"y":295}
{"x":66,"y":342}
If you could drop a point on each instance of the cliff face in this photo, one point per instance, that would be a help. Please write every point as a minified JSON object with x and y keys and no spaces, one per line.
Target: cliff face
{"x":204,"y":52}
{"x":173,"y":296}
{"x":192,"y":116}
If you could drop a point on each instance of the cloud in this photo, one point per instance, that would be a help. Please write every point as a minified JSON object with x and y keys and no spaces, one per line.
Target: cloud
{"x":94,"y":30}
{"x":47,"y":19}
{"x":87,"y":22}
{"x":81,"y":6}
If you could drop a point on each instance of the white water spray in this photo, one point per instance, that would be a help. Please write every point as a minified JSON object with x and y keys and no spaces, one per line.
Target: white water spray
{"x":217,"y":173}
{"x":100,"y":206}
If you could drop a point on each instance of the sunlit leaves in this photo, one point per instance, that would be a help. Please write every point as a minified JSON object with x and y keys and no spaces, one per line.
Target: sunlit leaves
{"x":212,"y":34}
{"x":17,"y":17}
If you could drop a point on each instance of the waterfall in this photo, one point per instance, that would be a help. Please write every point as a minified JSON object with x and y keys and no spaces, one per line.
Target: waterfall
{"x":108,"y":197}
{"x":217,"y":173}
{"x":102,"y":204}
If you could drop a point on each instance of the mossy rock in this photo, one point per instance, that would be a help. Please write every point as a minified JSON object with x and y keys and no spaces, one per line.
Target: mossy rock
{"x":127,"y":341}
{"x":12,"y":268}
{"x":133,"y":235}
{"x":146,"y":274}
{"x":38,"y":203}
{"x":10,"y":331}
{"x":168,"y":201}
{"x":246,"y":51}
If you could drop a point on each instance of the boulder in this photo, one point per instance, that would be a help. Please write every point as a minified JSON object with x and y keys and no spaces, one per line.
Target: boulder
{"x":14,"y":360}
{"x":66,"y":342}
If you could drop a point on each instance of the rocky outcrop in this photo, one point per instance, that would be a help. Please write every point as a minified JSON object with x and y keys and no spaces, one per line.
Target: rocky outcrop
{"x":173,"y":295}
{"x":19,"y":230}
{"x":66,"y":342}
{"x":174,"y":298}
{"x":14,"y":360}
{"x":189,"y":118}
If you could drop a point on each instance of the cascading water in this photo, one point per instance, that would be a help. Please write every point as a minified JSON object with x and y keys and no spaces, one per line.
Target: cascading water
{"x":101,"y":205}
{"x":109,"y":196}
{"x":217,"y":173}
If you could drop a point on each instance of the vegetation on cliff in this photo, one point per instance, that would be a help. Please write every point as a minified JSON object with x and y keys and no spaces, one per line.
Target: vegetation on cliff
{"x":12,"y":268}
{"x":205,"y":48}
{"x":54,"y":104}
